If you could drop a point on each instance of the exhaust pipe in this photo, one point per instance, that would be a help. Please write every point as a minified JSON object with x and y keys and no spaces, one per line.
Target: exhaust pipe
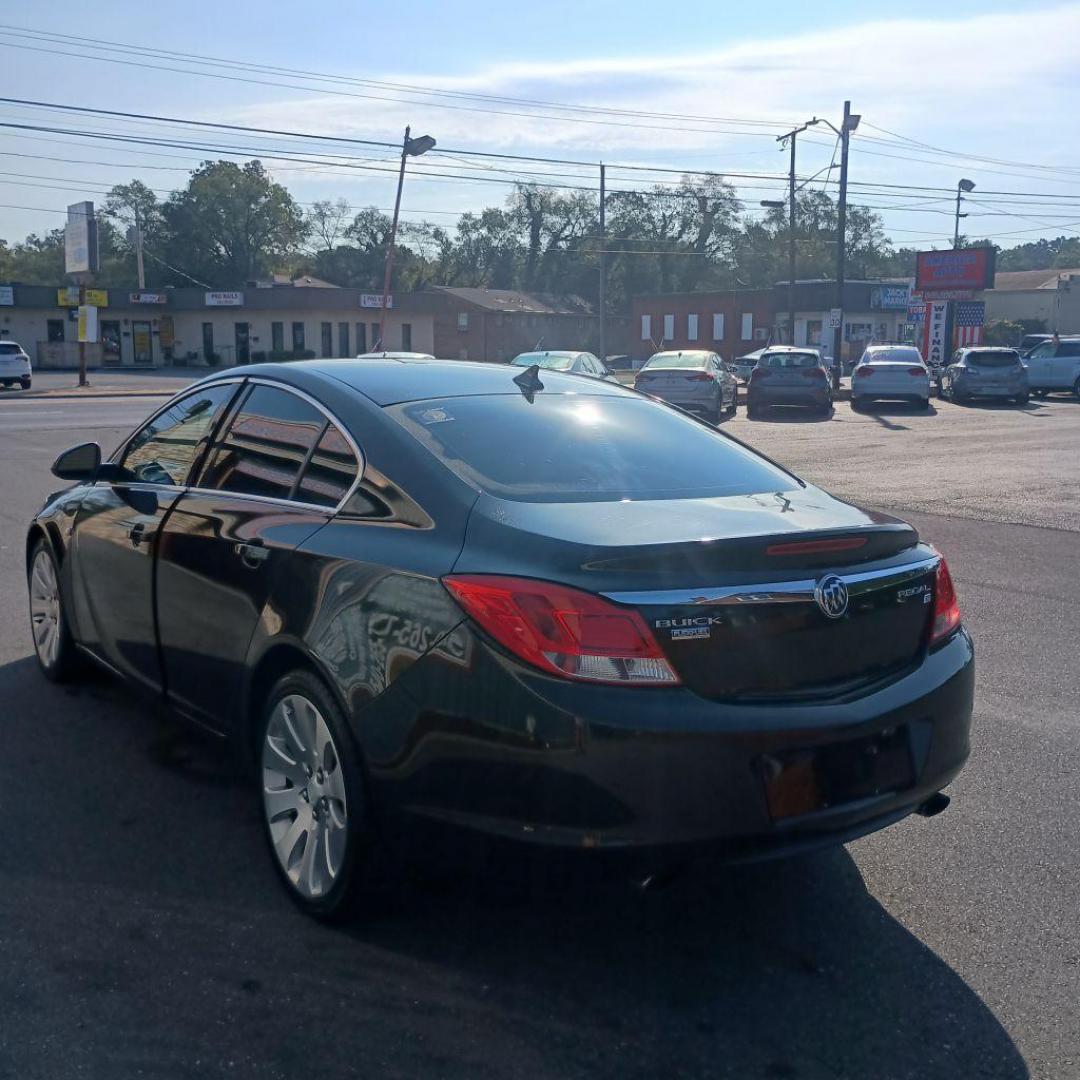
{"x":933,"y":806}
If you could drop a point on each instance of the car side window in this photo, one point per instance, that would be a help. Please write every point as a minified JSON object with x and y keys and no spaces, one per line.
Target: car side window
{"x":1069,"y":348}
{"x":331,"y":471}
{"x":266,"y":445}
{"x":165,"y":450}
{"x":1045,"y":349}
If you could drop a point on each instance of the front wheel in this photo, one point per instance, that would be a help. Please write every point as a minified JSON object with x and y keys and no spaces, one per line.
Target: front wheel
{"x":53,"y":643}
{"x":314,"y":800}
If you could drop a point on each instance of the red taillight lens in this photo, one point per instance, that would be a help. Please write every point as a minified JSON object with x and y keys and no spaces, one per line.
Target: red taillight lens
{"x":760,"y":373}
{"x":865,"y":369}
{"x":946,"y":605}
{"x":916,"y":371}
{"x":700,"y":376}
{"x":564,"y":631}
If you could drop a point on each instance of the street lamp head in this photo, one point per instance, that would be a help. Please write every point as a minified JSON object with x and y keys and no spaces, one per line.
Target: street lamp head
{"x":966,"y":185}
{"x":852,"y":121}
{"x":420,"y":145}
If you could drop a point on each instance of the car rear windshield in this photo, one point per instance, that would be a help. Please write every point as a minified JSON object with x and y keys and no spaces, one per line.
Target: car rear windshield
{"x":548,"y":361}
{"x":9,"y":348}
{"x":576,"y":448}
{"x":994,"y":359}
{"x":893,"y":356}
{"x":789,"y":360}
{"x":677,"y":360}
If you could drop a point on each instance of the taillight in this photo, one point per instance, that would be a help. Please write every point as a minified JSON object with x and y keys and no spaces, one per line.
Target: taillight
{"x":916,"y":371}
{"x":946,"y":604}
{"x":564,"y":631}
{"x":865,"y":369}
{"x":760,"y":373}
{"x":700,"y":376}
{"x":813,"y":372}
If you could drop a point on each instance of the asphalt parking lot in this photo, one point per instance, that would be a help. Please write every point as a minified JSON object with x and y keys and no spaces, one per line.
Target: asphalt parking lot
{"x":142,"y":931}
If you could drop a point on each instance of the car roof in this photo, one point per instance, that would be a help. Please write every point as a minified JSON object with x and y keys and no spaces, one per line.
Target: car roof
{"x":573,"y":353}
{"x":390,"y":381}
{"x":392,"y":355}
{"x":987,"y":348}
{"x":791,"y":348}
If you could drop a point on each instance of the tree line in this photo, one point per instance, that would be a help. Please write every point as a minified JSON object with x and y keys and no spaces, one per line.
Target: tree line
{"x":232,"y":223}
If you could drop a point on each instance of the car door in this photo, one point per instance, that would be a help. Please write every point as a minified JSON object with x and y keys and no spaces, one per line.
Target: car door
{"x":728,"y":385}
{"x":1066,"y":365}
{"x":117,"y":530}
{"x":260,"y":494}
{"x":1040,"y":365}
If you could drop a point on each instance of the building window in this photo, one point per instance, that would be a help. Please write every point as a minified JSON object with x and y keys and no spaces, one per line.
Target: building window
{"x":718,"y":326}
{"x":691,"y":328}
{"x":669,"y":327}
{"x":463,"y":320}
{"x":361,"y":338}
{"x":406,"y":336}
{"x":646,"y":328}
{"x":55,"y":329}
{"x":326,"y":337}
{"x":298,"y":337}
{"x":343,"y":339}
{"x":277,"y":336}
{"x":748,"y":326}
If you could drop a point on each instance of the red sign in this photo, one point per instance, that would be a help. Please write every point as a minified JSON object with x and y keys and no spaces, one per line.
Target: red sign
{"x":968,"y":268}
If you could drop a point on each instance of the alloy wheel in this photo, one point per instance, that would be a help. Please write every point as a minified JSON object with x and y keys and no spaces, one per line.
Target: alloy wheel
{"x":304,"y":796}
{"x":45,"y":609}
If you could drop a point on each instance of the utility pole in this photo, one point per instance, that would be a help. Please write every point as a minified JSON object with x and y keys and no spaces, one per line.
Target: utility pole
{"x":849,"y":124}
{"x":409,"y":148}
{"x":139,"y":252}
{"x":603,"y":268}
{"x":791,"y":243}
{"x":961,"y":187}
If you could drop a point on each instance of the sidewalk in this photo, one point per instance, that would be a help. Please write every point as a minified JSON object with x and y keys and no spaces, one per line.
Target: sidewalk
{"x":106,"y":382}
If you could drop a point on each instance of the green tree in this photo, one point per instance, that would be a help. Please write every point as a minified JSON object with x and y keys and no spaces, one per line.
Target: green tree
{"x":231,"y":224}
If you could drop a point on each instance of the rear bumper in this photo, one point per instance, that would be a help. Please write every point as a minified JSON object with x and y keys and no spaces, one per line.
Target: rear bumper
{"x":909,"y":391}
{"x":790,"y":396}
{"x":975,"y":388}
{"x":507,"y":752}
{"x":694,"y":402}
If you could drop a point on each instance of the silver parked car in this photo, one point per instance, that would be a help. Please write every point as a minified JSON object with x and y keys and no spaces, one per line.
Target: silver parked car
{"x":1054,"y":365}
{"x":985,"y":372}
{"x":742,"y":366}
{"x":570,"y":361}
{"x":693,"y":379}
{"x":894,"y":372}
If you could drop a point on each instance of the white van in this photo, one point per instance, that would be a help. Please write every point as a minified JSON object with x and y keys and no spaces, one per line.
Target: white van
{"x":1054,"y":366}
{"x":14,"y":365}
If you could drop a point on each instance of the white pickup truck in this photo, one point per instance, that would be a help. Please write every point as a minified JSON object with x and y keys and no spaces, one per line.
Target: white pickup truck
{"x":1054,"y":366}
{"x":14,"y":365}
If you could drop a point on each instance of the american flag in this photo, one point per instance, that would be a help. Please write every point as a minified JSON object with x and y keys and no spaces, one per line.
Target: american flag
{"x":970,"y":315}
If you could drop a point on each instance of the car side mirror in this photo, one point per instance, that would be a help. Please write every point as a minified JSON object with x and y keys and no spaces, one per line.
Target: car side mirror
{"x":79,"y":462}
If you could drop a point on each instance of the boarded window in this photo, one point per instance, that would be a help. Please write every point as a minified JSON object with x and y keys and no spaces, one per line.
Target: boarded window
{"x":646,"y":328}
{"x":691,"y":328}
{"x":718,"y":327}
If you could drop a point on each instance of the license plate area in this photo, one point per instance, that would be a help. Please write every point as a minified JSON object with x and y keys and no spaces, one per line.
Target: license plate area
{"x":823,"y":777}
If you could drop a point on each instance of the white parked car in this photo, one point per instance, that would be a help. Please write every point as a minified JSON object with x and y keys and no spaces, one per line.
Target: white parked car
{"x":14,"y":365}
{"x":1054,"y":366}
{"x":694,"y":379}
{"x":892,"y":372}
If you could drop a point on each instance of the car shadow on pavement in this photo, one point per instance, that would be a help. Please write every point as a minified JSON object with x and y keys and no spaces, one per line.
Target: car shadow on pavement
{"x":790,"y":414}
{"x":146,"y":893}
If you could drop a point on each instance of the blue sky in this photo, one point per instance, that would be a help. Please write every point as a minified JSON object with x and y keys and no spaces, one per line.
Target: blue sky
{"x":991,"y":80}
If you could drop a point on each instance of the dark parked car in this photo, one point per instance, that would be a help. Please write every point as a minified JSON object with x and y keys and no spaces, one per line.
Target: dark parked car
{"x":445,"y":595}
{"x":788,"y":375}
{"x":986,"y":372}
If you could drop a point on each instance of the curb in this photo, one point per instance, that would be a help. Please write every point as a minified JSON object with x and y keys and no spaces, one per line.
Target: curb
{"x":75,"y":395}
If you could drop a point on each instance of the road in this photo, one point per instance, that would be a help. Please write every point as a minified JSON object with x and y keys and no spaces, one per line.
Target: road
{"x":142,"y":932}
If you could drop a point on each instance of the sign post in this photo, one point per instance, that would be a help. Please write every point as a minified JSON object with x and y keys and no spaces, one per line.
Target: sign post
{"x":81,"y":261}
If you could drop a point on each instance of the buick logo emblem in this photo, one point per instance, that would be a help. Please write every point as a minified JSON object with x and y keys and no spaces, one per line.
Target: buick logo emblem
{"x":832,"y":596}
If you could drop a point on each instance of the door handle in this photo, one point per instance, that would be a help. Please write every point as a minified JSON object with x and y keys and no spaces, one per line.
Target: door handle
{"x":252,"y":554}
{"x":137,"y":532}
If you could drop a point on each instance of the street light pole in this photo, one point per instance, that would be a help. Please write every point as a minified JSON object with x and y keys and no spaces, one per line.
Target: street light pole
{"x":409,"y":148}
{"x":961,"y":187}
{"x":603,"y":269}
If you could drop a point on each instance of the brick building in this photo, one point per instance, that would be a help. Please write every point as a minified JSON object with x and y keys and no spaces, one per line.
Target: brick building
{"x":731,"y":322}
{"x":497,"y":324}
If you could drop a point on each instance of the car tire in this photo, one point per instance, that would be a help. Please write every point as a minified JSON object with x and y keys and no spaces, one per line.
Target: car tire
{"x":54,"y":646}
{"x":25,"y":384}
{"x":1040,"y":393}
{"x":857,"y":404}
{"x":924,"y":404}
{"x":734,"y":401}
{"x":1022,"y":399}
{"x":1076,"y":387}
{"x":312,"y":787}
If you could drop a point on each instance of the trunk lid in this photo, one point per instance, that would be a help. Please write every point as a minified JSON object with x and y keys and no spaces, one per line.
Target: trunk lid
{"x":728,"y":584}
